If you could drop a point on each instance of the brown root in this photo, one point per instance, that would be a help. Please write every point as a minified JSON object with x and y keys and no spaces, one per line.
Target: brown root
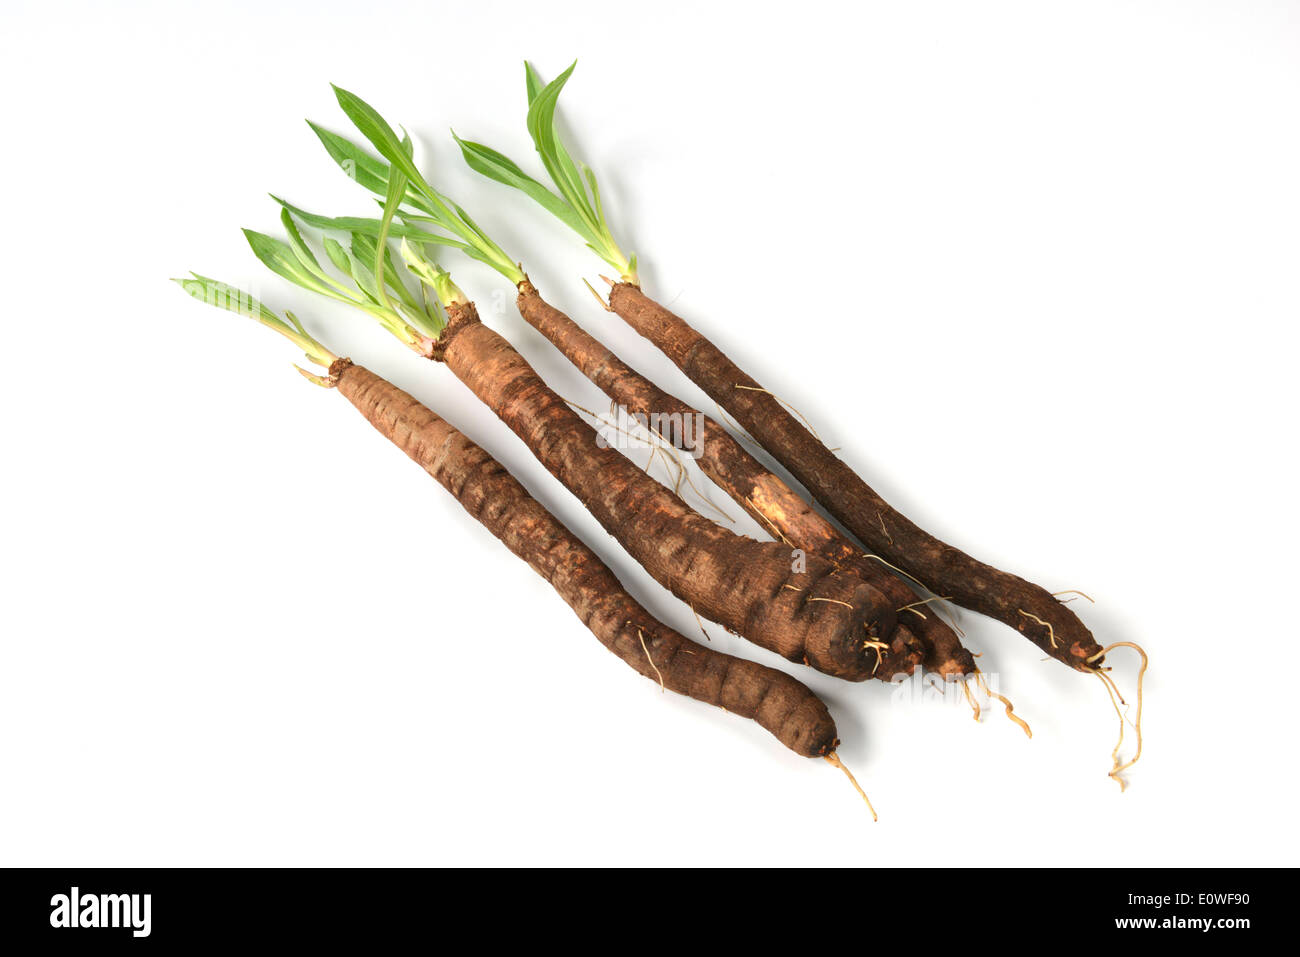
{"x":834,"y":759}
{"x":754,"y":510}
{"x":674,"y":467}
{"x":844,"y":494}
{"x":786,"y":708}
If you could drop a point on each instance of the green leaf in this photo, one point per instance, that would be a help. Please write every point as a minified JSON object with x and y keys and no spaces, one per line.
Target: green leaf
{"x":398,"y":152}
{"x":363,"y":254}
{"x":280,"y":258}
{"x":578,"y":204}
{"x":533,"y":81}
{"x":386,"y":275}
{"x":338,"y":255}
{"x":233,"y":299}
{"x":300,"y":247}
{"x":381,"y":136}
{"x":369,"y":226}
{"x":367,"y":169}
{"x":496,"y":166}
{"x":227,"y":297}
{"x":563,"y":171}
{"x":595,"y":193}
{"x":393,"y":198}
{"x":364,"y":167}
{"x":363,"y":266}
{"x":490,"y":248}
{"x":305,"y":255}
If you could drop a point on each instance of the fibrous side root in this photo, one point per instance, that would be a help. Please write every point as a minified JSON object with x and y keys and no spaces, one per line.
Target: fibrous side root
{"x":834,"y":759}
{"x":1113,"y":692}
{"x":1024,"y":725}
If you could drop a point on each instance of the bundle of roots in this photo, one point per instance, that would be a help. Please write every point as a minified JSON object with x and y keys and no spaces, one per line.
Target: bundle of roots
{"x":855,"y":590}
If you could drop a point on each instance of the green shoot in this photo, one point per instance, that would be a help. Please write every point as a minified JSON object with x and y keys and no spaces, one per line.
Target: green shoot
{"x":235,"y":300}
{"x":367,"y":169}
{"x":428,"y":205}
{"x":433,"y":276}
{"x":376,"y":287}
{"x":578,"y":204}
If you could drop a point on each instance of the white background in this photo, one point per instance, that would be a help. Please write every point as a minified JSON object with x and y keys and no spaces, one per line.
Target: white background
{"x":1033,"y":266}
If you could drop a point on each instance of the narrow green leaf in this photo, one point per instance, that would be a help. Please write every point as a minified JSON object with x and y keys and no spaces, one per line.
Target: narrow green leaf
{"x":393,"y":198}
{"x":559,"y":165}
{"x":363,"y":266}
{"x":533,"y":81}
{"x":398,"y":153}
{"x":369,"y":226}
{"x":487,"y":244}
{"x":280,"y":258}
{"x":595,"y":193}
{"x":296,"y":324}
{"x":298,"y":244}
{"x":338,"y":255}
{"x":232,"y":299}
{"x":367,"y":169}
{"x":576,"y":185}
{"x":381,"y":136}
{"x":496,"y":166}
{"x":363,"y":254}
{"x":227,"y":297}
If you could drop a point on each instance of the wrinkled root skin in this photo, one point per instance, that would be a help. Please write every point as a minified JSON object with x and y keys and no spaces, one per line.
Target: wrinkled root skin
{"x":779,"y":703}
{"x":772,"y":503}
{"x":818,"y":615}
{"x":940,"y":567}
